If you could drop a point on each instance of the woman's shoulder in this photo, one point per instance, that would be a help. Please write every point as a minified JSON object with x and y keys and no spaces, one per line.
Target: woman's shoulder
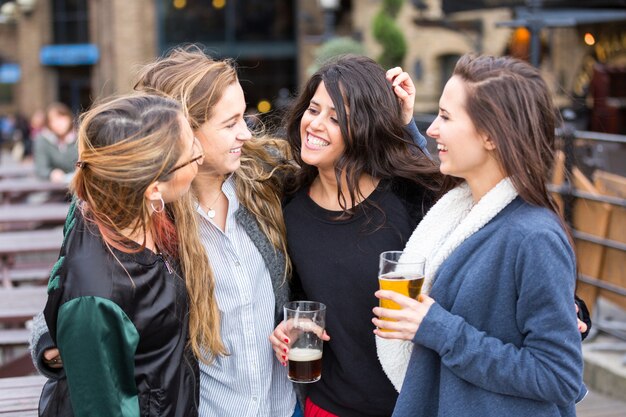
{"x":529,"y":218}
{"x":531,"y":226}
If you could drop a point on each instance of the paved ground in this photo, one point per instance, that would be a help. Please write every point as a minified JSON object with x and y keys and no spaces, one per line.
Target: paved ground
{"x":598,"y":405}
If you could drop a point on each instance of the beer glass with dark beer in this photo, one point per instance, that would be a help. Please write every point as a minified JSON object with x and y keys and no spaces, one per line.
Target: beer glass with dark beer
{"x":400,"y":274}
{"x":305,"y":321}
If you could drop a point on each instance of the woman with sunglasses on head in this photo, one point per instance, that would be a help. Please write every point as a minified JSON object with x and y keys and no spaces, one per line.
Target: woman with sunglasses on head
{"x":496,"y":334}
{"x":117,"y":306}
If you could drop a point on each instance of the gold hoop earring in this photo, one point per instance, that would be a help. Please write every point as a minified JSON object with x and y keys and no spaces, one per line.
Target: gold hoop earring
{"x":161,"y":208}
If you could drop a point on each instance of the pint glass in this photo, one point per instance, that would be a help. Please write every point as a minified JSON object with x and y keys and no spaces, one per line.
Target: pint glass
{"x":305,"y":322}
{"x":398,"y":274}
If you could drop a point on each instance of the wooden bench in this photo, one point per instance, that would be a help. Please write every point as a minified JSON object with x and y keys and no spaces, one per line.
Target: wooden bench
{"x":25,"y":242}
{"x":14,"y":337}
{"x":28,"y":216}
{"x":15,"y":189}
{"x":30,"y":274}
{"x":19,"y":397}
{"x":17,"y":171}
{"x":17,"y":307}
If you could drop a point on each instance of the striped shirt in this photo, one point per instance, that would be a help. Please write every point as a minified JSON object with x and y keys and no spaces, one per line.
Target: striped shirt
{"x":250,"y":381}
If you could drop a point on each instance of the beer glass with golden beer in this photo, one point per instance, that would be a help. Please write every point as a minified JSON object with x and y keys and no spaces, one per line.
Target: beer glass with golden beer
{"x":305,"y":321}
{"x":400,"y":274}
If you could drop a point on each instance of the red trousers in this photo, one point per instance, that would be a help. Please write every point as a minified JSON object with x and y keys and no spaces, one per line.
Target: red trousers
{"x":312,"y":410}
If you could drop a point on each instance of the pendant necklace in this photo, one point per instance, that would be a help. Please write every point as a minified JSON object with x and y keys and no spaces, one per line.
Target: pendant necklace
{"x":211,"y":212}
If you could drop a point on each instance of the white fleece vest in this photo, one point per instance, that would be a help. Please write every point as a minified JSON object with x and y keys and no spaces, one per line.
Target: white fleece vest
{"x":447,"y":224}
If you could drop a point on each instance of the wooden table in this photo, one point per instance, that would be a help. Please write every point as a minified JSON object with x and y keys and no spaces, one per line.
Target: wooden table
{"x":16,"y":171}
{"x":18,"y":305}
{"x":33,"y":213}
{"x":12,"y":189}
{"x":30,"y":241}
{"x":19,"y":397}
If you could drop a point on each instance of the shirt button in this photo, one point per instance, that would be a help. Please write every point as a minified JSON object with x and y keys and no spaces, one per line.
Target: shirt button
{"x":237,"y":263}
{"x":254,"y":399}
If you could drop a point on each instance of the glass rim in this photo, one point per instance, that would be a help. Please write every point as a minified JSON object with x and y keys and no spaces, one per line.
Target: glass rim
{"x":293,"y":305}
{"x":421,"y":260}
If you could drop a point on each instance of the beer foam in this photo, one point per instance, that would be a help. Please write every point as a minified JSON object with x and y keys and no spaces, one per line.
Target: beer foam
{"x":399,"y":276}
{"x":304,"y":354}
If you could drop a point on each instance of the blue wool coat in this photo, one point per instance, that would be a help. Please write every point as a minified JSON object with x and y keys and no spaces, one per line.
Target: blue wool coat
{"x":502,"y":338}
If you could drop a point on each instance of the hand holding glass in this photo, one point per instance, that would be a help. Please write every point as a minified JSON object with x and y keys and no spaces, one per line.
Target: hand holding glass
{"x":304,"y":322}
{"x":402,"y":274}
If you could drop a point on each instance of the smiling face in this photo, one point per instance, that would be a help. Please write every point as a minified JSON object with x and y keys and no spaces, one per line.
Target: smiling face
{"x":322,"y":142}
{"x":223,"y":135}
{"x":463,"y":151}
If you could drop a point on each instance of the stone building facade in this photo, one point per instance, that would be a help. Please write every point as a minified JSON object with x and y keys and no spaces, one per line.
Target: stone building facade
{"x":128,"y":34}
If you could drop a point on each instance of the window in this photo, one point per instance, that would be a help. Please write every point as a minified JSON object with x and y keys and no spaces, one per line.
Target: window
{"x":6,"y":93}
{"x":446,"y":65}
{"x":211,"y":21}
{"x":259,"y":34}
{"x":70,"y":21}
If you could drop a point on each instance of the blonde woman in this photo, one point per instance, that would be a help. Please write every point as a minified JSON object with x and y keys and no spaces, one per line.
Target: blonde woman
{"x":238,"y":195}
{"x":237,"y":208}
{"x":117,"y":307}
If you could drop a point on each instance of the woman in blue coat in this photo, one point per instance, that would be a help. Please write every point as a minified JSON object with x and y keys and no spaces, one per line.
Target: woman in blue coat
{"x":496,"y":334}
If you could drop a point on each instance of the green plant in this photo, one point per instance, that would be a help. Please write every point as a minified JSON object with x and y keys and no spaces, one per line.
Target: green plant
{"x":335,"y":47}
{"x":389,"y":35}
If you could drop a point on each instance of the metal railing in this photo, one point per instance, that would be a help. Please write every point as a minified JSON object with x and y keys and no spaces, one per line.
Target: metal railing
{"x":570,"y":194}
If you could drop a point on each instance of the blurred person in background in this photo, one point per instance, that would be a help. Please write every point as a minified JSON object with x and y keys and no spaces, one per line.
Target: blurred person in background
{"x":55,"y":149}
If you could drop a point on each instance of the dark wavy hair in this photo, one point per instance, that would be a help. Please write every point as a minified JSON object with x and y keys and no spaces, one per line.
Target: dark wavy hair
{"x":375,"y":141}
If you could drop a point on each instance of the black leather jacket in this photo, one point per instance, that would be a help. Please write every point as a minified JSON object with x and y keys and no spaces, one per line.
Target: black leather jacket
{"x":120,"y":321}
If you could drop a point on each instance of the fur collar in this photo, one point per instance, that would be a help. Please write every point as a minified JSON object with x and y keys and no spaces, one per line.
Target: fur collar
{"x":452,"y":220}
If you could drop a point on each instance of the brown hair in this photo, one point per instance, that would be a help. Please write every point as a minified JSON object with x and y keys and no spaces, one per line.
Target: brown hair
{"x":508,"y":101}
{"x":124,"y":146}
{"x":374,"y":138}
{"x":63,"y":111}
{"x":198,"y":82}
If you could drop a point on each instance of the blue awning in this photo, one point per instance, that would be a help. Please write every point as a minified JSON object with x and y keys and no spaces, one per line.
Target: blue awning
{"x":524,"y":17}
{"x":9,"y":73}
{"x":69,"y":55}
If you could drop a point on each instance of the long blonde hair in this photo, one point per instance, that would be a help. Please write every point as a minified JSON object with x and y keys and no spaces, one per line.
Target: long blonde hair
{"x":125,"y":145}
{"x":198,"y":82}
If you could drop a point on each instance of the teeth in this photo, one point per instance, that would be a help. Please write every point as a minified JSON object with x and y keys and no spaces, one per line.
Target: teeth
{"x":236,"y":150}
{"x":320,"y":143}
{"x":441,"y":147}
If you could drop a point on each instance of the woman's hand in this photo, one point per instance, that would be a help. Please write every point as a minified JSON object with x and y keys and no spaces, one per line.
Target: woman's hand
{"x":52,"y":358}
{"x":406,"y":320}
{"x":582,"y":326}
{"x":57,"y":175}
{"x":404,"y":89}
{"x":283,"y":336}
